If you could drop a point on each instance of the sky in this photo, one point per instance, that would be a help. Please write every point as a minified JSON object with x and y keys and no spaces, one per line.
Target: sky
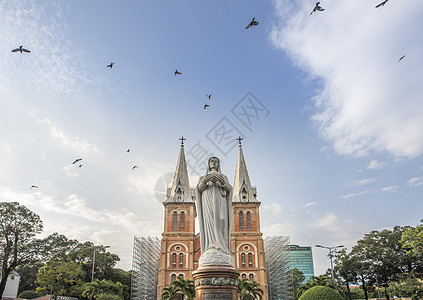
{"x":331,"y":119}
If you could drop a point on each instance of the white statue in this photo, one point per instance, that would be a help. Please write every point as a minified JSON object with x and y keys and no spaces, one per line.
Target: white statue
{"x":214,"y":206}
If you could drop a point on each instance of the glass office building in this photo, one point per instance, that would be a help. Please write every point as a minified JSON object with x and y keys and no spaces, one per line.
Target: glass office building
{"x":302,"y":259}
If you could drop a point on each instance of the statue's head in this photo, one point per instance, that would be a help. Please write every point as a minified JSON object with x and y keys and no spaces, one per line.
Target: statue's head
{"x":214,"y":164}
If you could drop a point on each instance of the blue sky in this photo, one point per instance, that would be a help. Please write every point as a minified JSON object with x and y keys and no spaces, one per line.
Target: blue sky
{"x":335,"y":153}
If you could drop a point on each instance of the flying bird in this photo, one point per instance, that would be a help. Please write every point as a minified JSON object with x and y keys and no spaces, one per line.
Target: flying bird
{"x":382,"y":3}
{"x":128,"y":150}
{"x":80,"y":166}
{"x":252,"y":23}
{"x":317,"y":8}
{"x":401,"y":58}
{"x":205,"y":107}
{"x":33,"y":186}
{"x":77,"y":160}
{"x":208,"y":96}
{"x":134,"y":167}
{"x":111,"y":65}
{"x":21,"y":50}
{"x":177,"y":72}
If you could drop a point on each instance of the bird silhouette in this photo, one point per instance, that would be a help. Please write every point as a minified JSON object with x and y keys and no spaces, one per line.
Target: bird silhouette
{"x":128,"y":150}
{"x":317,"y":8}
{"x":205,"y":107}
{"x":21,"y":50}
{"x":111,"y":65}
{"x":208,"y":96}
{"x":33,"y":186}
{"x":134,"y":167}
{"x":401,"y":58}
{"x":77,"y":160}
{"x":252,"y":23}
{"x":80,"y":166}
{"x":177,"y":72}
{"x":382,"y":3}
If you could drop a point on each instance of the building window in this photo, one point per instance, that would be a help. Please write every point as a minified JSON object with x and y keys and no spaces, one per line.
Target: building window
{"x":173,"y":277}
{"x":248,"y":220}
{"x":250,"y":260}
{"x":251,"y":277}
{"x":175,"y":221}
{"x":181,"y":276}
{"x":182,"y":221}
{"x":181,"y":260}
{"x":243,"y":276}
{"x":243,"y":260}
{"x":241,"y":221}
{"x":173,"y":260}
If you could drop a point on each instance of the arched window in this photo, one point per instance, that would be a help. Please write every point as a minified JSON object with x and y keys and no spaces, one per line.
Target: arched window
{"x":251,"y":277}
{"x":250,"y":260}
{"x":175,"y":221}
{"x":241,"y":221}
{"x":173,"y":260}
{"x":181,"y":260}
{"x":182,"y":221}
{"x":181,"y":276}
{"x":248,"y":220}
{"x":243,"y":276}
{"x":243,"y":260}
{"x":173,"y":277}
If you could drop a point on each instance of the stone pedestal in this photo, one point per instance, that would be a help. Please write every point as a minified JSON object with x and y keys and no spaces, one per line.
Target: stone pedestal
{"x":216,"y":282}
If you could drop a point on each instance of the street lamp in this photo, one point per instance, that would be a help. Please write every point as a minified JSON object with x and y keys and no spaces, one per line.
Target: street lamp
{"x":94,"y":249}
{"x":330,"y":255}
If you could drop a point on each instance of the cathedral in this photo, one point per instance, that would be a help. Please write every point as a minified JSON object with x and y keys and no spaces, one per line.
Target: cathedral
{"x":180,"y":245}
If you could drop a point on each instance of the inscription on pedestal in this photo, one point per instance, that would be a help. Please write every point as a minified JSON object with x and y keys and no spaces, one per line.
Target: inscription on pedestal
{"x":217,"y":295}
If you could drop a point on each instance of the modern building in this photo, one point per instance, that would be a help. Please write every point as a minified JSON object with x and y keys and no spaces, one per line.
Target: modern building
{"x":12,"y":286}
{"x":179,"y":250}
{"x":302,"y":259}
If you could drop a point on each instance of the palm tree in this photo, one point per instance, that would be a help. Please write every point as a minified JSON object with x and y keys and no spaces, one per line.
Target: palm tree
{"x":172,"y":292}
{"x":249,"y":289}
{"x":186,"y":287}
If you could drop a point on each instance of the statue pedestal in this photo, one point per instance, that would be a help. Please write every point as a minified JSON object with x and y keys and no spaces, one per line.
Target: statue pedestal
{"x":216,"y":282}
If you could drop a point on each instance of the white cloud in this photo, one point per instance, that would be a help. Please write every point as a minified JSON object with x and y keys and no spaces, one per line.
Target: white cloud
{"x":308,"y":204}
{"x":374,"y":164}
{"x":77,"y":144}
{"x":368,"y":102}
{"x":354,"y":194}
{"x":362,"y":181}
{"x":391,"y":189}
{"x":339,"y":229}
{"x":416,"y":181}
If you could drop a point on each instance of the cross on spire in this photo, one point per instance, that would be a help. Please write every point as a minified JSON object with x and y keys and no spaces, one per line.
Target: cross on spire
{"x":182,"y":140}
{"x":239,"y":140}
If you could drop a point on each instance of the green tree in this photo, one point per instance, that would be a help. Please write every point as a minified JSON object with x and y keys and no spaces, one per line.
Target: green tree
{"x":346,"y":267}
{"x":408,"y":287}
{"x":249,"y":289}
{"x":321,"y":293}
{"x":60,"y":278}
{"x":18,"y":245}
{"x":412,"y":241}
{"x":186,"y":287}
{"x":297,"y":279}
{"x":108,"y":297}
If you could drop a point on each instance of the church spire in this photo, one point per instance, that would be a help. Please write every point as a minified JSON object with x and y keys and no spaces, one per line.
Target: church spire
{"x":180,"y":190}
{"x":242,"y":190}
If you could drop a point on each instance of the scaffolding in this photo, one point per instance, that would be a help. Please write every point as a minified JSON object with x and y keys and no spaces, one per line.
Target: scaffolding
{"x":145,"y":268}
{"x":278,"y":264}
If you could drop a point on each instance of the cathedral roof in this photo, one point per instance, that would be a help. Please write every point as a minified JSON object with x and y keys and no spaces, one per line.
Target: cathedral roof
{"x":180,"y":190}
{"x":242,"y":190}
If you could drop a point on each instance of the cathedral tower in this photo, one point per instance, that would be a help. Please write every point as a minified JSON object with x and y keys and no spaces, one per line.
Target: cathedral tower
{"x":247,"y":244}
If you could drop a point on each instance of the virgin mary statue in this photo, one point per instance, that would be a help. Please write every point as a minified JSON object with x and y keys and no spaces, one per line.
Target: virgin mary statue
{"x":214,"y":215}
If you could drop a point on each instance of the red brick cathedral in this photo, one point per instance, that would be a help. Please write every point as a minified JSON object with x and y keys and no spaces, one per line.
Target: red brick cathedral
{"x":180,"y":245}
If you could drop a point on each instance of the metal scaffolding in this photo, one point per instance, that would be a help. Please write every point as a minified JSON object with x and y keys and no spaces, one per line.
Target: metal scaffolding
{"x":145,"y":268}
{"x":278,"y":264}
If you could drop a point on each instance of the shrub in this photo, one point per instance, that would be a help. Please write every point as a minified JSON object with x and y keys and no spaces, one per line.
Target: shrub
{"x":29,"y":294}
{"x":321,"y":293}
{"x":108,"y":297}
